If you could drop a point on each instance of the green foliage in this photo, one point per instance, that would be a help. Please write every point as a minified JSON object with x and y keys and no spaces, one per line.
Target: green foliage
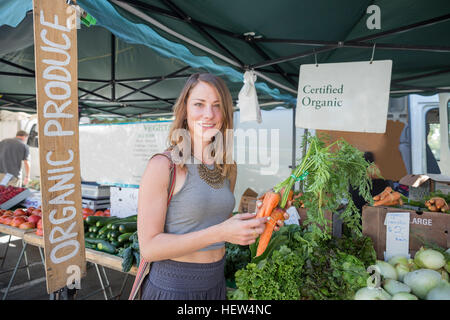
{"x":300,"y":268}
{"x":237,"y":257}
{"x":271,"y":279}
{"x":329,"y":171}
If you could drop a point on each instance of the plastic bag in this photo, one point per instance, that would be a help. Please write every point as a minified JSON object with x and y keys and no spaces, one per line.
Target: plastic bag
{"x":248,"y":100}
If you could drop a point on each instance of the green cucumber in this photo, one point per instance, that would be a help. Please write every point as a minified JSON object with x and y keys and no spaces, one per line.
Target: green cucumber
{"x":128,"y":227}
{"x":90,"y":245}
{"x":124,"y":237}
{"x":106,"y":246}
{"x":114,"y":234}
{"x":115,"y":225}
{"x":102,"y":230}
{"x":94,"y":229}
{"x":91,"y":240}
{"x":104,"y":222}
{"x":92,"y":220}
{"x":115,"y":243}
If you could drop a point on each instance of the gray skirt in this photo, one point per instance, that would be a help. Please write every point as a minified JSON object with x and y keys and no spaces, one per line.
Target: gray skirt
{"x":174,"y":280}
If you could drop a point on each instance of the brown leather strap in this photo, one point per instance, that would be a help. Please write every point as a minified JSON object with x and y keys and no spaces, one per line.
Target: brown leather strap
{"x":144,"y":266}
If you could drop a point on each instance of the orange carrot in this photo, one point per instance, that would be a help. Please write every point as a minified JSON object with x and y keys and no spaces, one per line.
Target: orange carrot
{"x":383,"y":194}
{"x":264,"y":239}
{"x":271,"y":200}
{"x":291,"y":194}
{"x":389,"y":200}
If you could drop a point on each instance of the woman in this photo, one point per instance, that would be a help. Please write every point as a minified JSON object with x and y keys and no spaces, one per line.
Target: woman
{"x":186,"y":239}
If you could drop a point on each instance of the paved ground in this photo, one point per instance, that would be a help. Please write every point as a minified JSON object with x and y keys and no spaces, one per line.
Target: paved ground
{"x":23,"y":288}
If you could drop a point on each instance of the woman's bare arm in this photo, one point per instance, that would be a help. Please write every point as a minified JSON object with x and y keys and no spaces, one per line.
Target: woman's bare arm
{"x":156,"y":245}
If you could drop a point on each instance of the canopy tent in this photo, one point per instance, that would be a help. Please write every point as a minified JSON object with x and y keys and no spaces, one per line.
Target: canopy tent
{"x":137,"y":57}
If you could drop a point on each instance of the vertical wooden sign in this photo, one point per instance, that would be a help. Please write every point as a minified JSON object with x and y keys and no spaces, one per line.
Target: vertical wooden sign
{"x":55,"y":48}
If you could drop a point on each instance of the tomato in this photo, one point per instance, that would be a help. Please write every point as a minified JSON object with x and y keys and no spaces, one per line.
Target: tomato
{"x":17,"y":221}
{"x":7,"y":220}
{"x":88,"y":211}
{"x":19,"y":212}
{"x":27,"y":225}
{"x":34,"y":218}
{"x":99,"y":213}
{"x":39,"y":232}
{"x":39,"y":224}
{"x":30,"y":210}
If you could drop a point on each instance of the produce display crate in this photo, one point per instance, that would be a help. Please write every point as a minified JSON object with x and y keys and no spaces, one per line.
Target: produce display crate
{"x":94,"y":191}
{"x":429,"y":226}
{"x":16,"y":200}
{"x":15,"y":231}
{"x":96,"y":204}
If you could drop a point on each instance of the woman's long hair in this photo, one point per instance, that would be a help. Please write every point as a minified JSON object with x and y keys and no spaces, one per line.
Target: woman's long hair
{"x":226,"y":107}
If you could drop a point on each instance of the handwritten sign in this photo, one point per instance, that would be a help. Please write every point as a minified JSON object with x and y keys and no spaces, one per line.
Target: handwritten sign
{"x":55,"y":48}
{"x":397,"y":234}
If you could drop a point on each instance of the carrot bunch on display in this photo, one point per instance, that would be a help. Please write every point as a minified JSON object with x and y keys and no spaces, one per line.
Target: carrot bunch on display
{"x":437,"y":204}
{"x":388,"y":197}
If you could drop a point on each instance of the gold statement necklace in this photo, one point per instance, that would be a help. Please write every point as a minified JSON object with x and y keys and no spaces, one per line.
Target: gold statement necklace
{"x":213,"y":177}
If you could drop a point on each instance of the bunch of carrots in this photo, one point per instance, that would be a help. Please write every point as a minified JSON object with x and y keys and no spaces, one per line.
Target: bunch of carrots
{"x":388,"y":197}
{"x":437,"y":204}
{"x":273,"y":209}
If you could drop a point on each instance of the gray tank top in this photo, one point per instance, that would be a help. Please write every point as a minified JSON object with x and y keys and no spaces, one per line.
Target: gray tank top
{"x":197,"y":206}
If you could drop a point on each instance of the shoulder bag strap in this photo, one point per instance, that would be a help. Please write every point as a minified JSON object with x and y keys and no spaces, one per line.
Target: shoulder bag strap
{"x":145,"y":265}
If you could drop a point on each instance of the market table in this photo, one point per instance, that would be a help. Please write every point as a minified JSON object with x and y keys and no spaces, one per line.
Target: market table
{"x":97,"y":258}
{"x":19,"y":233}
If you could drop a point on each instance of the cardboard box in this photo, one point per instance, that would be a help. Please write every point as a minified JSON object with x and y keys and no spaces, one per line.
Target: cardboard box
{"x":333,"y":221}
{"x":420,"y":185}
{"x":248,"y":201}
{"x":8,"y":180}
{"x":431,"y":226}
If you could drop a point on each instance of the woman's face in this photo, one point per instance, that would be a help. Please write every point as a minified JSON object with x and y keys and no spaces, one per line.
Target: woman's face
{"x":204,"y":115}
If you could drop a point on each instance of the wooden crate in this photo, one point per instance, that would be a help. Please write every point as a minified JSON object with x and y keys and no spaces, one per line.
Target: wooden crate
{"x":430,"y":226}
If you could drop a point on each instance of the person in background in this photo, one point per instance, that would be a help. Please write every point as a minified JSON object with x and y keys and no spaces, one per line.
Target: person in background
{"x":14,"y":151}
{"x":378,"y":184}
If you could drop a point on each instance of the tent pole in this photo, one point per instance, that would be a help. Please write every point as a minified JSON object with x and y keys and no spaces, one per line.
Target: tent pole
{"x":189,"y":20}
{"x":95,"y":90}
{"x":356,"y":44}
{"x":113,"y":67}
{"x":151,"y":84}
{"x":294,"y":137}
{"x":145,"y":93}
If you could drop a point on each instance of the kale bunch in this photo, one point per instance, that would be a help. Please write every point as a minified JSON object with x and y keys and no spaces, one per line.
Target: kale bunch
{"x":275,"y":278}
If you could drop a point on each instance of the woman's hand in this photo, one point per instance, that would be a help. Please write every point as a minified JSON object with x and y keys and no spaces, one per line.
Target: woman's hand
{"x":242,"y":228}
{"x":280,"y":223}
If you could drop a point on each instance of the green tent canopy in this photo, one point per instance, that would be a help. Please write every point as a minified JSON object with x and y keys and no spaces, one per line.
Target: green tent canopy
{"x":135,"y":60}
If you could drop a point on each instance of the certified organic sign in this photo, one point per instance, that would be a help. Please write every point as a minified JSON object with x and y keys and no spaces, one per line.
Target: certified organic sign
{"x":350,"y":96}
{"x":55,"y":46}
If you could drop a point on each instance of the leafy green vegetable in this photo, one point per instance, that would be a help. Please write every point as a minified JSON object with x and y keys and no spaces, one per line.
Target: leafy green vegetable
{"x":270,"y":279}
{"x":327,"y":172}
{"x":237,"y":257}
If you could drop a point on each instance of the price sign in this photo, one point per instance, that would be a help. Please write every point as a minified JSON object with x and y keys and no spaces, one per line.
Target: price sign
{"x":397,"y":234}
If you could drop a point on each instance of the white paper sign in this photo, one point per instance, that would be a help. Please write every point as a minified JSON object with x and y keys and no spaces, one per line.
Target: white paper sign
{"x":294,"y":217}
{"x":6,"y":178}
{"x":397,"y":234}
{"x":350,"y":96}
{"x":118,"y":153}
